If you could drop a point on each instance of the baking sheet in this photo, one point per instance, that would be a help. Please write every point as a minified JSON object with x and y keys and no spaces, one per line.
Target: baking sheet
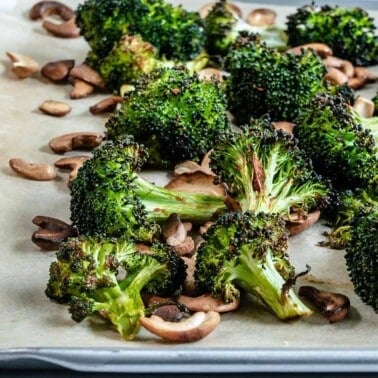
{"x":35,"y":332}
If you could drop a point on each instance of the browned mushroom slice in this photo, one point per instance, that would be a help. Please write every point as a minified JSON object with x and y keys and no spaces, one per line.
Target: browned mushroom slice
{"x":298,"y":223}
{"x":262,"y":17}
{"x":206,"y":302}
{"x":334,"y":306}
{"x":196,"y":182}
{"x":193,"y":328}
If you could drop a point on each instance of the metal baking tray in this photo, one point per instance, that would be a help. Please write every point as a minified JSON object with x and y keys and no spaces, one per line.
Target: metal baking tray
{"x":36,"y":333}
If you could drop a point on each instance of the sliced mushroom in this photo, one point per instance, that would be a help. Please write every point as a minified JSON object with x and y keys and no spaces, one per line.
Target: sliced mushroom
{"x":169,"y":312}
{"x":80,"y":89}
{"x":206,"y":302}
{"x":343,"y":65}
{"x":46,"y":8}
{"x":55,"y":108}
{"x":88,"y":74}
{"x":51,"y":232}
{"x":210,"y":73}
{"x":364,"y":107}
{"x":84,"y":140}
{"x":73,"y":163}
{"x":336,"y":76}
{"x":334,"y":306}
{"x":66,"y":29}
{"x":58,"y":70}
{"x":109,"y":104}
{"x":297,"y":223}
{"x":321,"y":49}
{"x":284,"y":125}
{"x":191,"y":329}
{"x":366,"y":74}
{"x":38,"y":172}
{"x":22,"y":66}
{"x":196,"y":182}
{"x":262,"y":17}
{"x":174,"y":231}
{"x":189,"y":286}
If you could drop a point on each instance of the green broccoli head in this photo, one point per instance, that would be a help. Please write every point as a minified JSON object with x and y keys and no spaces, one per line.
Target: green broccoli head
{"x":109,"y":197}
{"x":222,"y":27}
{"x":247,"y":251}
{"x":265,"y":171}
{"x":362,"y":255}
{"x":108,"y":277}
{"x":334,"y":137}
{"x":133,"y":57}
{"x":103,"y":25}
{"x":341,"y":212}
{"x":130,"y":58}
{"x":174,"y":113}
{"x":263,"y":80}
{"x":350,"y":32}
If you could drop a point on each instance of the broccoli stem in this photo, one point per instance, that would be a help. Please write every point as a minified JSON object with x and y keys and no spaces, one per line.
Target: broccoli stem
{"x":262,"y":279}
{"x":160,"y":203}
{"x":123,"y":304}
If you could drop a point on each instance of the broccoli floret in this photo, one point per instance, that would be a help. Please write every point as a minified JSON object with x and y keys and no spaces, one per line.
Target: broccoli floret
{"x":175,"y":32}
{"x":174,"y":114}
{"x":222,"y":27}
{"x":263,"y":80}
{"x":344,"y":208}
{"x":362,"y":255}
{"x":109,"y":197}
{"x":108,"y":277}
{"x":247,"y":251}
{"x":265,"y":171}
{"x":132,"y":57}
{"x":332,"y":134}
{"x":350,"y":32}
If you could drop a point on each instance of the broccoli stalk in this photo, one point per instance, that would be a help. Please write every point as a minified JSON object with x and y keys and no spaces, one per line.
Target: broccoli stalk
{"x":340,"y":146}
{"x":109,"y":197}
{"x":174,"y":114}
{"x":247,"y":251}
{"x":350,"y":32}
{"x":263,"y":80}
{"x":222,"y":28}
{"x":86,"y":277}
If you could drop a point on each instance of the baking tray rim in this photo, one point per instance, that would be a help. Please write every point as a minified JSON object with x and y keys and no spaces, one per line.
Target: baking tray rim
{"x":193,"y":360}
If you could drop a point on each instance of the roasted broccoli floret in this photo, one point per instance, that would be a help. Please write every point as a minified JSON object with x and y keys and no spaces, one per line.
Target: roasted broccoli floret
{"x":132,"y":57}
{"x":267,"y":178}
{"x":108,"y":277}
{"x":109,"y":197}
{"x":247,"y":251}
{"x":222,"y":27}
{"x":263,"y":80}
{"x":175,"y":32}
{"x":174,"y":114}
{"x":339,"y":142}
{"x":346,"y":205}
{"x":362,"y":255}
{"x":350,"y":32}
{"x":265,"y":171}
